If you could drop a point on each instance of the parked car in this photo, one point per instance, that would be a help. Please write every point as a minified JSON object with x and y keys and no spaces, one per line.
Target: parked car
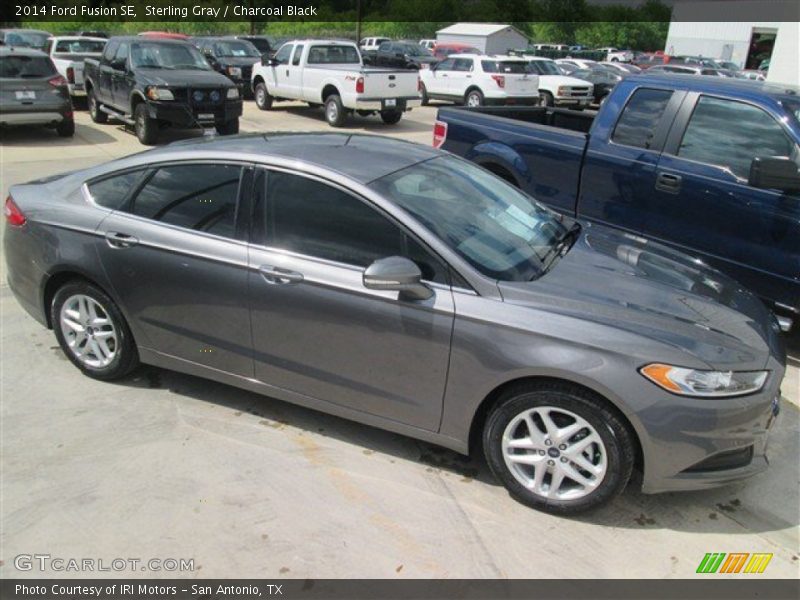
{"x":371,"y":44}
{"x":621,"y":68}
{"x":403,"y":287}
{"x":730,"y":66}
{"x":707,"y":165}
{"x":646,"y":61}
{"x":93,"y":34}
{"x":443,"y":50}
{"x":232,"y":57}
{"x":478,"y":79}
{"x":68,"y":54}
{"x":429,"y":44}
{"x":752,"y":74}
{"x":165,"y":35}
{"x":616,"y":55}
{"x":331,"y":73}
{"x":32,"y":92}
{"x":603,"y":81}
{"x":152,"y":83}
{"x":404,"y":55}
{"x":24,"y":38}
{"x":261,"y":42}
{"x":573,"y":64}
{"x":688,"y":69}
{"x":556,"y":89}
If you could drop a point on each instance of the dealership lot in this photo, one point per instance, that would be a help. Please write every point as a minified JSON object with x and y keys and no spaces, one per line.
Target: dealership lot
{"x":164,"y":465}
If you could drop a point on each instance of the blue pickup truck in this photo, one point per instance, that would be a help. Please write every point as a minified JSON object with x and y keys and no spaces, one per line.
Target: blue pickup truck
{"x":706,"y":165}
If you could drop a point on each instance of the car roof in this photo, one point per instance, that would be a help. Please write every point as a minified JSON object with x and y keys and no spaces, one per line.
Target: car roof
{"x":77,"y":37}
{"x":741,"y":87}
{"x":148,"y":39}
{"x":20,"y":51}
{"x":360,"y":157}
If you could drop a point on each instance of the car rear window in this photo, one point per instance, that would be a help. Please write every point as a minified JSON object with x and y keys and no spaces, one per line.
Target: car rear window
{"x":79,"y":47}
{"x":505,"y":66}
{"x":26,"y":67}
{"x":333,"y":55}
{"x":638,"y":122}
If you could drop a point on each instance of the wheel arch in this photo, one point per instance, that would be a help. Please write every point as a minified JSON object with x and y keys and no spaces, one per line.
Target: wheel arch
{"x":136,"y":99}
{"x":329,"y":89}
{"x":473,"y":88}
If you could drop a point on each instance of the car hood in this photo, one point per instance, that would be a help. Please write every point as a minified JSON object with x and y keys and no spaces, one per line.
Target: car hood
{"x":238,"y":61}
{"x":557,"y":80}
{"x":183,"y":78}
{"x":646,"y":288}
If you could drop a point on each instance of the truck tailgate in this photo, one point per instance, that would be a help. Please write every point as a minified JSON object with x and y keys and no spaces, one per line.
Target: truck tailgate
{"x":386,"y":83}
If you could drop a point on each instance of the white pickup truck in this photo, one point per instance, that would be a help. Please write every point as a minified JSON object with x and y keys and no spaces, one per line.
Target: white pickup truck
{"x":332,"y":74}
{"x":68,"y":54}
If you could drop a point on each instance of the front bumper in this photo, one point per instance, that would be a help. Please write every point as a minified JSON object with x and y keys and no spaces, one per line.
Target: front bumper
{"x":76,"y":89}
{"x":571,"y":102}
{"x":401,"y":104}
{"x":180,"y":114}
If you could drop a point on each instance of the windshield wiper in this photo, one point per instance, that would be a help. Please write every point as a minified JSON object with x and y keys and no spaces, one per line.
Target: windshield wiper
{"x":559,"y":248}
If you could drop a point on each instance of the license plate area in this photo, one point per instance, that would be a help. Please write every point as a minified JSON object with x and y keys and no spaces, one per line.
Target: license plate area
{"x":25,"y":95}
{"x":390,"y":103}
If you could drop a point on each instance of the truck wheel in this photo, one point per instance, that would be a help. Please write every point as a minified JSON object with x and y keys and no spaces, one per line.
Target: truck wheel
{"x":228,"y":127}
{"x":424,"y":93}
{"x":97,"y":115}
{"x":335,"y":112}
{"x":66,"y":128}
{"x":546,"y":99}
{"x":145,"y":127}
{"x":263,"y":99}
{"x":391,"y":117}
{"x":558,"y":448}
{"x":474,"y":98}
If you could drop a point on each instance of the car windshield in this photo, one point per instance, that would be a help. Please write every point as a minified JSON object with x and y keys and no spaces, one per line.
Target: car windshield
{"x":505,"y":66}
{"x":165,"y":55}
{"x":545,"y":67}
{"x":29,"y":39}
{"x":333,"y":54}
{"x":261,"y":44}
{"x":235,"y":49}
{"x":25,"y":67}
{"x":491,"y":224}
{"x":79,"y":47}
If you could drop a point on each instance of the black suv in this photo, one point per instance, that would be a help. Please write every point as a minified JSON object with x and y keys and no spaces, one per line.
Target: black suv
{"x":403,"y":54}
{"x":232,"y":57}
{"x":156,"y":83}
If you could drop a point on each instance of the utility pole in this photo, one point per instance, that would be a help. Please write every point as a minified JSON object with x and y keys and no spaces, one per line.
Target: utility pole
{"x":358,"y":21}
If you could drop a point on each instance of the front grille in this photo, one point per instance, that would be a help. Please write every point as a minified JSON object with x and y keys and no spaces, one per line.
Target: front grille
{"x":730,"y":459}
{"x":578,"y":92}
{"x":202,"y":99}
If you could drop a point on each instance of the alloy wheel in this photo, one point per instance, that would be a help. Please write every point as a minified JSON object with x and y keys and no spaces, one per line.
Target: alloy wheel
{"x":332,"y":112}
{"x":88,"y":331}
{"x":554,"y":453}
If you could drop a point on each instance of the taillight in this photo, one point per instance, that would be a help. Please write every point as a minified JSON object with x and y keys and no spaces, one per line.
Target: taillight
{"x":57,"y":81}
{"x":439,"y":133}
{"x":13,"y":214}
{"x":70,"y":74}
{"x":360,"y":85}
{"x":500,"y":80}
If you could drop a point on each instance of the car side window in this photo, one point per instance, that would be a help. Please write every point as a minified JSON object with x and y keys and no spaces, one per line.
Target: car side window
{"x":201,"y":197}
{"x":731,"y":134}
{"x":284,"y":53}
{"x":637,"y":123}
{"x":110,"y":51}
{"x":463,"y":64}
{"x":385,"y":47}
{"x":446,"y":65}
{"x":112,"y":192}
{"x":298,"y":52}
{"x":312,"y":218}
{"x":121,"y":57}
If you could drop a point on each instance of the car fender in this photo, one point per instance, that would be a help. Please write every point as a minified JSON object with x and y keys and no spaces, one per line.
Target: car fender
{"x":489,"y":154}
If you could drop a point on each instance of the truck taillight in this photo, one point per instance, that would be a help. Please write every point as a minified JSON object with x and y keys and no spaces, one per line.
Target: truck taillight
{"x":439,"y":133}
{"x":360,"y":85}
{"x":14,"y":216}
{"x":57,"y":81}
{"x":500,"y":80}
{"x":71,"y":74}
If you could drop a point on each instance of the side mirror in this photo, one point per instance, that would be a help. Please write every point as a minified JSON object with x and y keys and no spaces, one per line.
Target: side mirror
{"x":268,"y":60}
{"x":777,"y":173}
{"x":397,"y":273}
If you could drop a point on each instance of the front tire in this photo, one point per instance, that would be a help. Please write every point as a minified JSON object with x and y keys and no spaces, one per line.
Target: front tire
{"x":228,"y":127}
{"x":424,"y":94}
{"x":558,"y":448}
{"x":474,"y":99}
{"x":262,"y":97}
{"x":546,"y":99}
{"x":335,"y":113}
{"x":92,"y":332}
{"x":391,"y":117}
{"x":145,"y":127}
{"x":97,"y":115}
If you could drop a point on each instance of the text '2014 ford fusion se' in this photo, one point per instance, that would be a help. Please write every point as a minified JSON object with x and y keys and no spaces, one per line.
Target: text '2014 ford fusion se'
{"x":402,"y":287}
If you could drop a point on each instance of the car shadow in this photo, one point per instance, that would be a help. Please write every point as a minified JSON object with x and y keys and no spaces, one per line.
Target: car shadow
{"x":15,"y":137}
{"x":356,"y":122}
{"x":735,"y":509}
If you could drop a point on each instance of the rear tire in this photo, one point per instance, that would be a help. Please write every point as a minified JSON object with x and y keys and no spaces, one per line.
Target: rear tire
{"x":589,"y":465}
{"x":66,"y":128}
{"x":228,"y":127}
{"x":391,"y":117}
{"x":262,"y":97}
{"x":92,"y":332}
{"x":97,"y":115}
{"x":145,"y":127}
{"x":335,"y":113}
{"x":474,"y":98}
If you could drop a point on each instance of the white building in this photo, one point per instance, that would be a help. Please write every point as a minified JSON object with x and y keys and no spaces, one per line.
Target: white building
{"x":746,"y":43}
{"x":491,"y":38}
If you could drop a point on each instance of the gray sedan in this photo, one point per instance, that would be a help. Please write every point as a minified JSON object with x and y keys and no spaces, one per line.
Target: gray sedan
{"x":399,"y":286}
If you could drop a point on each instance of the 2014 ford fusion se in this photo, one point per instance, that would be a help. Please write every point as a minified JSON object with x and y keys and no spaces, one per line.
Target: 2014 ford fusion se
{"x":400,"y":286}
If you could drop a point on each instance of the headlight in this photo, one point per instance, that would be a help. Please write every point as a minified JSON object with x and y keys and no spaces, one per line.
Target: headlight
{"x":234,"y":71}
{"x":156,"y":93}
{"x":694,"y":382}
{"x":232,"y":94}
{"x":562,"y":91}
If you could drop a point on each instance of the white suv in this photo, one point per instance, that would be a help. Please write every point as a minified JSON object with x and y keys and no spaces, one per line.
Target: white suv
{"x":478,"y":79}
{"x":556,"y":89}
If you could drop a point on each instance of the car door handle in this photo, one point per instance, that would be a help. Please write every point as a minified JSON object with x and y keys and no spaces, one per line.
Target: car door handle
{"x":276,"y":275}
{"x":668,"y":182}
{"x":115,"y":239}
